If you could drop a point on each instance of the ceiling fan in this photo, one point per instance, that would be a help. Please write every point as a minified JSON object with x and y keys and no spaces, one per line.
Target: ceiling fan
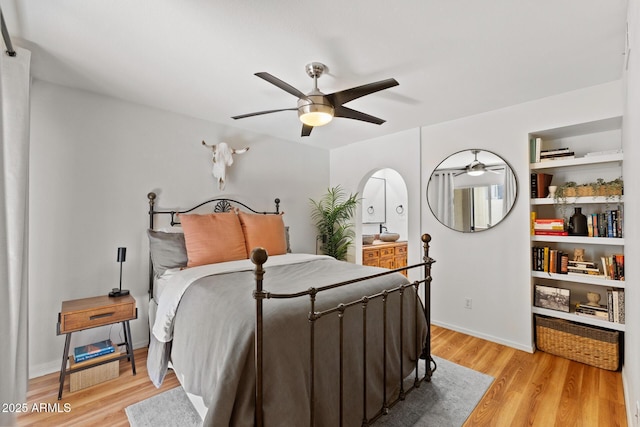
{"x":316,"y":108}
{"x":476,"y":167}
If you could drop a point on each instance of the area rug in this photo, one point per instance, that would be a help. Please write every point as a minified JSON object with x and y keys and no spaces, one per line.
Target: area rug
{"x":446,"y":401}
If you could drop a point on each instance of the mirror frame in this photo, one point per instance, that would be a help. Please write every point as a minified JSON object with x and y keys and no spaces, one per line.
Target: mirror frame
{"x":470,"y":151}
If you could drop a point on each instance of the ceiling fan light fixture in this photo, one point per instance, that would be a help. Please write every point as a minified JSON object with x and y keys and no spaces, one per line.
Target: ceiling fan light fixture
{"x":476,"y":167}
{"x":475,"y":172}
{"x":315,"y":114}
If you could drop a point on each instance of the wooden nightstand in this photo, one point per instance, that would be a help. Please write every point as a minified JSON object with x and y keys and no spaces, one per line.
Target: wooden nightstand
{"x":86,"y":313}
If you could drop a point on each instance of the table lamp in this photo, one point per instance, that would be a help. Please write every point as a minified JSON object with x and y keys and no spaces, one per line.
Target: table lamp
{"x":119,"y":292}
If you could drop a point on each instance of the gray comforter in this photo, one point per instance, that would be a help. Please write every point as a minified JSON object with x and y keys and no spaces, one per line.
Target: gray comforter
{"x":213,"y":344}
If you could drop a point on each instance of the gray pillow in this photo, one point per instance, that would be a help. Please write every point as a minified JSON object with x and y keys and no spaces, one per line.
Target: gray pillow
{"x":168,"y":250}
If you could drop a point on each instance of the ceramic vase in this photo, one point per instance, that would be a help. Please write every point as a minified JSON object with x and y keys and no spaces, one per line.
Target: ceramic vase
{"x":578,"y":224}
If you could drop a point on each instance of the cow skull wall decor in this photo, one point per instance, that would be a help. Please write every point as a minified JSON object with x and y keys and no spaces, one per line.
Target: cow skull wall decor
{"x":222,"y":158}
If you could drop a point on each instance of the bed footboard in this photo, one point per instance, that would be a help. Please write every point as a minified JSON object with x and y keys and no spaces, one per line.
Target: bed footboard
{"x":422,"y":347}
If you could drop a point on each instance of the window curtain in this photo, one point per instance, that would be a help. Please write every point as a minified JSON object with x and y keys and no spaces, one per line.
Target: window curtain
{"x":510,"y":192}
{"x":15,"y":84}
{"x":444,"y":188}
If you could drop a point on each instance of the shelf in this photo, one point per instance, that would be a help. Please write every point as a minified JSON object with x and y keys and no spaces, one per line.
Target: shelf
{"x":580,"y":161}
{"x":614,"y":200}
{"x":579,"y":319}
{"x":583,"y":240}
{"x":585,"y":278}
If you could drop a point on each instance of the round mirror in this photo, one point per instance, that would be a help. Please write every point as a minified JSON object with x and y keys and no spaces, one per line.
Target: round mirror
{"x":472,"y":190}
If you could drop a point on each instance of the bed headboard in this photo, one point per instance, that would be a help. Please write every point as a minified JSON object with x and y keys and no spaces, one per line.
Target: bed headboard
{"x":219,"y":204}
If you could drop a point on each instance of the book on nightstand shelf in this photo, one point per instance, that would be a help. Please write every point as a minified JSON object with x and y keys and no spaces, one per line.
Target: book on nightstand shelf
{"x":90,"y":351}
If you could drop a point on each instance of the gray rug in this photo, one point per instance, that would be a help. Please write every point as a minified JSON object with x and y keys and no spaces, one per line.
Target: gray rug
{"x":447,"y":401}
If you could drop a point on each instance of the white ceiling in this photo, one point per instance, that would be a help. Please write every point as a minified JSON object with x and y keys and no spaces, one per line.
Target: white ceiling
{"x":452,"y":58}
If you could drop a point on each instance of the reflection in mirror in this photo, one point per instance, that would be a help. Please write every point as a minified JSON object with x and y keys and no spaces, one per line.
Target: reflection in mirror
{"x":472,"y":190}
{"x":374,"y":201}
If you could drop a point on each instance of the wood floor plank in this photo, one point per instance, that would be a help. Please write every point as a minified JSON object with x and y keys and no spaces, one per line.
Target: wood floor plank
{"x":528,"y":390}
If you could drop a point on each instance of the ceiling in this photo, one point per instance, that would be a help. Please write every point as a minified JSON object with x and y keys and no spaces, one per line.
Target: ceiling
{"x":452,"y":58}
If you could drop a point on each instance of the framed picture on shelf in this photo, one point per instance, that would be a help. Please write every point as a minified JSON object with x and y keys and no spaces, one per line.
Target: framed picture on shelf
{"x":552,"y":298}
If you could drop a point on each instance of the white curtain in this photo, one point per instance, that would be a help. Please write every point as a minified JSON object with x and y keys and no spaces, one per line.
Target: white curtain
{"x":14,"y":198}
{"x":510,"y":192}
{"x":444,"y":188}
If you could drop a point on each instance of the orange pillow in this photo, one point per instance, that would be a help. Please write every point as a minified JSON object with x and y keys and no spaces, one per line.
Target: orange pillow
{"x":213,"y":238}
{"x":264,"y":230}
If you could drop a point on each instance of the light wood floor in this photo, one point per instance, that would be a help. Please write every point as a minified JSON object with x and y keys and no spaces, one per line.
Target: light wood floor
{"x":529,"y":389}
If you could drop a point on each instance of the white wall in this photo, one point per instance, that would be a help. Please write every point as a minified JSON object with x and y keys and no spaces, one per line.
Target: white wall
{"x":630,"y":138}
{"x":352,"y":165}
{"x":93,"y":161}
{"x":492,"y":267}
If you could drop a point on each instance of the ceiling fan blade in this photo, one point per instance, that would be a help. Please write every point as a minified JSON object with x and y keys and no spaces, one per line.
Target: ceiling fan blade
{"x":258,"y":113}
{"x":282,"y":85}
{"x":344,"y":96}
{"x":306,"y":130}
{"x":348,"y":113}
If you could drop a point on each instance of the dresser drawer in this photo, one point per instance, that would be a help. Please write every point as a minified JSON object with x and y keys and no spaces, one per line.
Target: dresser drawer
{"x":384,"y":252}
{"x":401,"y":250}
{"x":369,"y":254}
{"x":91,"y":312}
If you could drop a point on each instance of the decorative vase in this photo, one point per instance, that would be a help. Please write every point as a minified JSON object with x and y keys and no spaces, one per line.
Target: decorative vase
{"x":578,"y":224}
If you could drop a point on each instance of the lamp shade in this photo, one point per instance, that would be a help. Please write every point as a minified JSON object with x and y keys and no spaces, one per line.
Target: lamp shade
{"x":122,"y":254}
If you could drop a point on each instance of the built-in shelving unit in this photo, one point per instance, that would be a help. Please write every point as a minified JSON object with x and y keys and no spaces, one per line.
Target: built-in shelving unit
{"x":585,"y":140}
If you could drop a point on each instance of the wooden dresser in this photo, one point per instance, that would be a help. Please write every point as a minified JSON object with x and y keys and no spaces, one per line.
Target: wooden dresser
{"x":387,"y":255}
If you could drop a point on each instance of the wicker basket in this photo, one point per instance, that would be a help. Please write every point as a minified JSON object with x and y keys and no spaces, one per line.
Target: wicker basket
{"x":587,"y":190}
{"x":586,"y":344}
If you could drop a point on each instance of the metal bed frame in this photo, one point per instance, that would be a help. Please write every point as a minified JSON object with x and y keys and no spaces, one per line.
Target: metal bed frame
{"x":259,"y":257}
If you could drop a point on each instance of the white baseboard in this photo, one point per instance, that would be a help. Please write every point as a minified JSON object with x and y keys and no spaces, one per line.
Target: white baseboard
{"x":516,"y":345}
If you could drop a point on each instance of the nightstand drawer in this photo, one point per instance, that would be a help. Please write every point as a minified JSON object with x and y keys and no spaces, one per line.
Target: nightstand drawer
{"x":92,"y":312}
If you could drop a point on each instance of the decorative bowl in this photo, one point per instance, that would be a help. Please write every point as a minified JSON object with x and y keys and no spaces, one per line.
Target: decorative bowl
{"x":367,"y":239}
{"x":389,"y":237}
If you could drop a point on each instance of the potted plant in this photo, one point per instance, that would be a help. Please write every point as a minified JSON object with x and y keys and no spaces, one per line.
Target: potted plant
{"x":332,"y":215}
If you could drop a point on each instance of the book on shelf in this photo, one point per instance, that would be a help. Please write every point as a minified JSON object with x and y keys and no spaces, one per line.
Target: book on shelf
{"x":553,"y":151}
{"x":605,"y":224}
{"x":549,"y":260}
{"x":550,"y":233}
{"x":90,"y":351}
{"x":613,"y":266}
{"x":535,"y":149}
{"x":603,"y":153}
{"x":553,"y":224}
{"x":567,"y":156}
{"x":556,"y":153}
{"x":615,"y":305}
{"x":532,"y":217}
{"x":597,"y":311}
{"x":540,"y":183}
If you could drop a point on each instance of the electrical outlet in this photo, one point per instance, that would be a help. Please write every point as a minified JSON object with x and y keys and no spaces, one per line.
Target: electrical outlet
{"x":467,"y":303}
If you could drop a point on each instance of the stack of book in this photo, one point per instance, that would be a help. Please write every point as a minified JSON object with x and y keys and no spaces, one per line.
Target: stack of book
{"x":583,"y":267}
{"x":592,"y":310}
{"x":549,"y":226}
{"x":615,"y":305}
{"x":90,"y":351}
{"x":556,"y":154}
